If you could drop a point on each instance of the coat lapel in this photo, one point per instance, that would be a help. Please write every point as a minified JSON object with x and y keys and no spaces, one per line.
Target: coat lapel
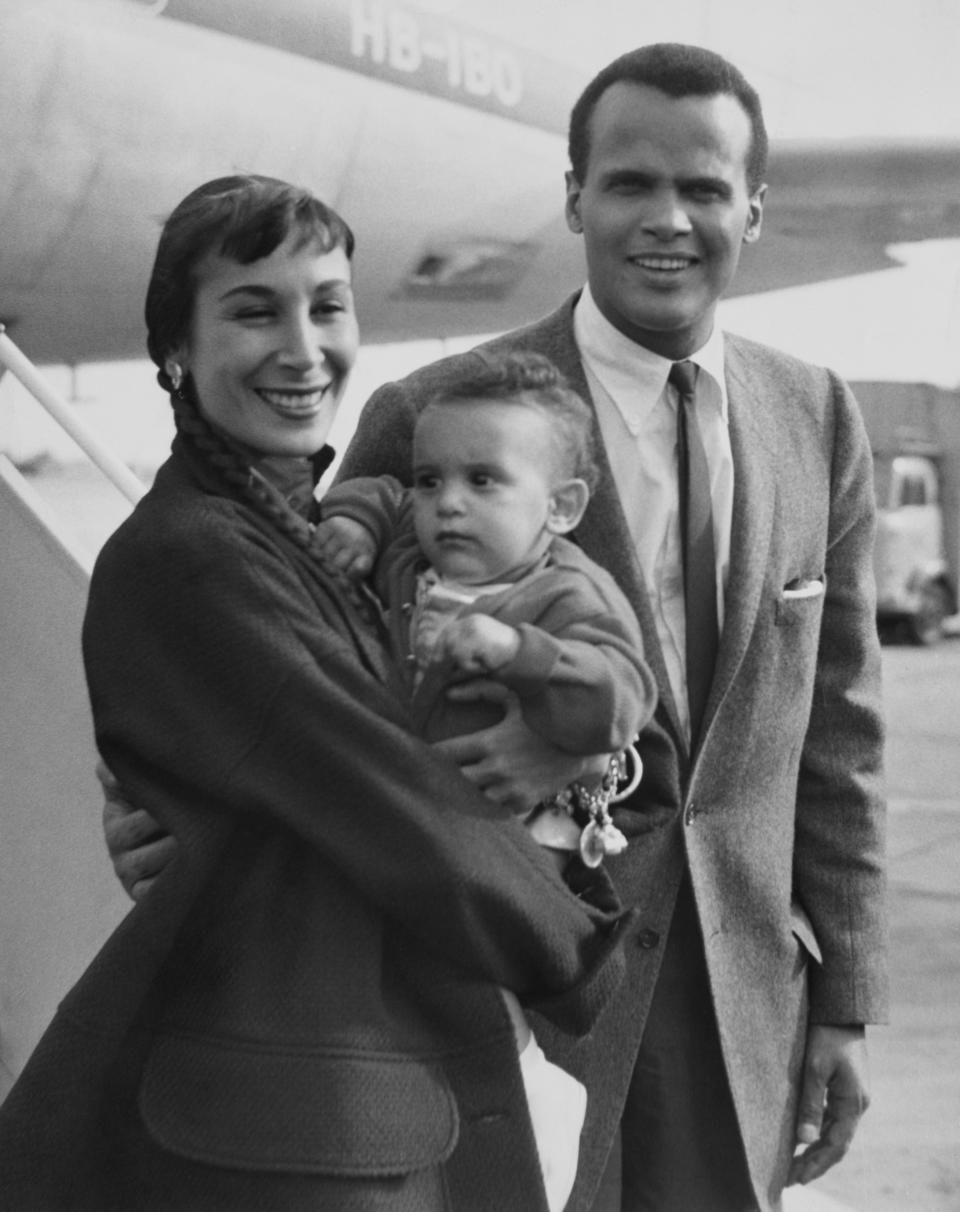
{"x":753,"y":438}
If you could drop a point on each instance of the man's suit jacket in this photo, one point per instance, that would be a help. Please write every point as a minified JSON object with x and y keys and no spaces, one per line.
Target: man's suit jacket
{"x":779,"y":814}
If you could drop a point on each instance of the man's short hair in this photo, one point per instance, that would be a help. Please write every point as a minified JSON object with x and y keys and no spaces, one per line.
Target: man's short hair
{"x":679,"y":71}
{"x":532,"y":380}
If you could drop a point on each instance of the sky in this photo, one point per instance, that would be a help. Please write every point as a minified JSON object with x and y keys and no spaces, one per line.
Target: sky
{"x":838,"y":68}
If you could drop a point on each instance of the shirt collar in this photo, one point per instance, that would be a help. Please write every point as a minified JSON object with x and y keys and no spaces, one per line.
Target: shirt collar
{"x":634,"y":377}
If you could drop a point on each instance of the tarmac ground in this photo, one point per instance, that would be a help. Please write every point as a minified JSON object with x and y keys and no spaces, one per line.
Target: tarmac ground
{"x":906,"y":1157}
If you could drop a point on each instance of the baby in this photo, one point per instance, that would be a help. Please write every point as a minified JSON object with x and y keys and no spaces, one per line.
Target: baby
{"x":476,"y":579}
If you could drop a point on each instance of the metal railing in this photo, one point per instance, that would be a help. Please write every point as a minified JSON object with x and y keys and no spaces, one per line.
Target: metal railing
{"x":23,"y":369}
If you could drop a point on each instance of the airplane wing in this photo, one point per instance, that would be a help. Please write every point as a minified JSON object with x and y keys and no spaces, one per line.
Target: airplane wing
{"x":443,"y":146}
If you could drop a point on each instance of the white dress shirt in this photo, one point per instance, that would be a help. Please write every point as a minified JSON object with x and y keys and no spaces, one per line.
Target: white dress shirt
{"x":637,"y":411}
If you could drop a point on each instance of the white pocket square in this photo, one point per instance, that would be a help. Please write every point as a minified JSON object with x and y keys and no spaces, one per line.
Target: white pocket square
{"x":797,"y":590}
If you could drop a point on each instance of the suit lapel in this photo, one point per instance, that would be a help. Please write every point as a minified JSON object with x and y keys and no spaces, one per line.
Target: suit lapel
{"x":753,"y":438}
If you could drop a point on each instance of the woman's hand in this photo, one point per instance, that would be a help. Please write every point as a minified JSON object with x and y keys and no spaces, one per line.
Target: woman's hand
{"x":510,"y":763}
{"x":139,"y":849}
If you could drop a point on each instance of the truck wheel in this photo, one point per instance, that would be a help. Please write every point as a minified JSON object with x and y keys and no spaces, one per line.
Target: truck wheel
{"x":926,"y":626}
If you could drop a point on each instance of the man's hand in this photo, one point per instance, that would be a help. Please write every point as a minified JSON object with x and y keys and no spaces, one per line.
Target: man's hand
{"x":477,"y":644}
{"x":346,"y":547}
{"x":139,"y":849}
{"x":833,"y":1097}
{"x":509,"y":762}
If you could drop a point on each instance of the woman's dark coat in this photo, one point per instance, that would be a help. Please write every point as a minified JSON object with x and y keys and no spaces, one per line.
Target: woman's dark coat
{"x":303,"y":1012}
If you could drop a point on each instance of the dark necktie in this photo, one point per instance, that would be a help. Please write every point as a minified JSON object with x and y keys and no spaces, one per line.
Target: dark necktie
{"x":699,"y":552}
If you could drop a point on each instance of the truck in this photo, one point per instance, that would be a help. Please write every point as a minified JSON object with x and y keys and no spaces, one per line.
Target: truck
{"x":914,"y":431}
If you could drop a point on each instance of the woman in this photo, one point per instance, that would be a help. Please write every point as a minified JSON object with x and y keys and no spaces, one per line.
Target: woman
{"x":303,"y":1013}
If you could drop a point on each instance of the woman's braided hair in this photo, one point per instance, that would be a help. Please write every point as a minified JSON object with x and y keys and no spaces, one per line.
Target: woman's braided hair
{"x":245,"y":218}
{"x":232,"y":464}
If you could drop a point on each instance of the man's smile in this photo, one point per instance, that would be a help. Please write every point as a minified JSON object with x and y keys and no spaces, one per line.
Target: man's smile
{"x":662,"y":263}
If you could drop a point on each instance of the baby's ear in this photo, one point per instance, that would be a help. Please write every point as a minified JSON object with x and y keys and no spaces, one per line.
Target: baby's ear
{"x":567,"y":504}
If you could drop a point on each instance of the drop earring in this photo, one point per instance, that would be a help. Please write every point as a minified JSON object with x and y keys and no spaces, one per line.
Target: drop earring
{"x":175,"y":374}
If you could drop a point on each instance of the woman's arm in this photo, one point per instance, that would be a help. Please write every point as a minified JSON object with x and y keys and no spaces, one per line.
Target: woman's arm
{"x":512,"y":765}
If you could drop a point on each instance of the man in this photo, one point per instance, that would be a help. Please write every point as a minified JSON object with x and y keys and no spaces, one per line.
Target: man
{"x":778,"y":853}
{"x":758,"y":952}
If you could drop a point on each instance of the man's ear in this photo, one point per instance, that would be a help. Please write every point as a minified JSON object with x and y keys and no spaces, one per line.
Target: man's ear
{"x":572,"y":207}
{"x":568,"y":501}
{"x":751,"y":232}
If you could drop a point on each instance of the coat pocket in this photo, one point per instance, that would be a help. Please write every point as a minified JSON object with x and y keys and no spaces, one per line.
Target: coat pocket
{"x":803,"y":932}
{"x":250,"y":1107}
{"x":800,"y":602}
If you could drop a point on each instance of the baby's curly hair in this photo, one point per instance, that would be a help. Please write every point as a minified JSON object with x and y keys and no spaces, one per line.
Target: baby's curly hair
{"x":532,"y":380}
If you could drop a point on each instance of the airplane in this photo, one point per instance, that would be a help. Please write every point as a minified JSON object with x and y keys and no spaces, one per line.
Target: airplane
{"x":441,"y":142}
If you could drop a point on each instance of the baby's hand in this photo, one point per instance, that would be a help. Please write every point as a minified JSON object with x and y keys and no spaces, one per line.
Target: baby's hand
{"x":477,"y":644}
{"x":346,"y":547}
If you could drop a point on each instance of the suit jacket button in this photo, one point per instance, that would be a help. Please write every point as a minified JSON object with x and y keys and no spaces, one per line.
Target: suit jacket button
{"x":691,"y":813}
{"x":648,"y":939}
